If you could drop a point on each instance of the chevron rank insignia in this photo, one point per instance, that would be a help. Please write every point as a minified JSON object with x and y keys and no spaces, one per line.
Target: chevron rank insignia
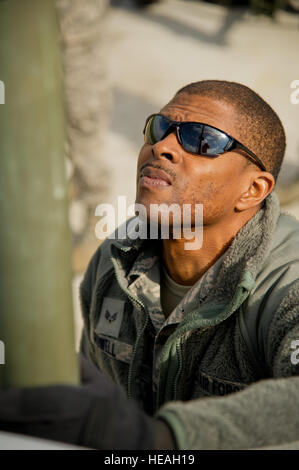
{"x":111,"y":317}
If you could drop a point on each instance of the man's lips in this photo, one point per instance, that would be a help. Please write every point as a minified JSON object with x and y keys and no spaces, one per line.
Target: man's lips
{"x":155,"y":177}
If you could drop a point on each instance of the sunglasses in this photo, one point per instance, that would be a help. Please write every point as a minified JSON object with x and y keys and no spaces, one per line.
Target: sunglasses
{"x":194,"y":137}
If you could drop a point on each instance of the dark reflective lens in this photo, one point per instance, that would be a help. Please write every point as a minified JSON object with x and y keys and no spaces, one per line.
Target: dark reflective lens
{"x":213,"y":141}
{"x":190,"y":135}
{"x":155,"y":129}
{"x":201,"y":139}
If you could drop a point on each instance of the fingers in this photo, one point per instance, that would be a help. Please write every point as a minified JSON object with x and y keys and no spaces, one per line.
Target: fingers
{"x":94,"y":378}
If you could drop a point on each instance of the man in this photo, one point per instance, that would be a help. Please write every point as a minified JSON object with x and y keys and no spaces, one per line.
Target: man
{"x":172,"y":325}
{"x":190,"y":334}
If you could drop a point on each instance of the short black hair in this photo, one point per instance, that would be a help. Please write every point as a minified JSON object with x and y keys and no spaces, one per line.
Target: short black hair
{"x":265,"y":134}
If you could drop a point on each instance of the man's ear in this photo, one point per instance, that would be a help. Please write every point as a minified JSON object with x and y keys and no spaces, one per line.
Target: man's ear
{"x":261,"y":184}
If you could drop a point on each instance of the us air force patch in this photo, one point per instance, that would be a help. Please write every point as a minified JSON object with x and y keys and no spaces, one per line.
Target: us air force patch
{"x":111,"y":317}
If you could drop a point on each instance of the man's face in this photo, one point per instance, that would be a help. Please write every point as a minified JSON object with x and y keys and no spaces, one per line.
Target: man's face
{"x":216,"y":183}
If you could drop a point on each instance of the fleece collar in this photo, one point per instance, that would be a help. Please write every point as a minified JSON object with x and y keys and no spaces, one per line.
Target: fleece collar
{"x":249,"y":249}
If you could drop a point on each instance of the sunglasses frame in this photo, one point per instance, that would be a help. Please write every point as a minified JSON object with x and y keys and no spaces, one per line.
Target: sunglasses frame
{"x":231,"y":145}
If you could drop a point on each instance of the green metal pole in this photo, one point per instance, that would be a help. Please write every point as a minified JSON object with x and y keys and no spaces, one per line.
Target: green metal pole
{"x":36,"y":320}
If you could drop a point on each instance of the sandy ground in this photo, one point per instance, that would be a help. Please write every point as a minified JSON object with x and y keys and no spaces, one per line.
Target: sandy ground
{"x":154,"y":52}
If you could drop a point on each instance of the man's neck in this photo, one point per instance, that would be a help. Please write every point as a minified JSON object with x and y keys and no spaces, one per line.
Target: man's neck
{"x":186,"y":267}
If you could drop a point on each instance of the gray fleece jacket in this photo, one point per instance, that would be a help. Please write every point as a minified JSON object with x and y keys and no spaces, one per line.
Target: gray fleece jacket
{"x":173,"y":370}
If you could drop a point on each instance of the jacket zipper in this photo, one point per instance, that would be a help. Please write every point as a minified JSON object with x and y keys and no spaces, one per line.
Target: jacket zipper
{"x":180,"y":361}
{"x":174,"y":385}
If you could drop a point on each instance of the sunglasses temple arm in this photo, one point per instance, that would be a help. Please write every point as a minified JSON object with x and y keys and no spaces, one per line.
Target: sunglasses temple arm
{"x":252,"y":155}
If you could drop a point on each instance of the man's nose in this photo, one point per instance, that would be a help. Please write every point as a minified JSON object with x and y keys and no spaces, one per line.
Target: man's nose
{"x":168,"y":148}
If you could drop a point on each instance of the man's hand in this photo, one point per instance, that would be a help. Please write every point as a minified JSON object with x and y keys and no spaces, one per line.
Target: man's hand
{"x":95,"y":414}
